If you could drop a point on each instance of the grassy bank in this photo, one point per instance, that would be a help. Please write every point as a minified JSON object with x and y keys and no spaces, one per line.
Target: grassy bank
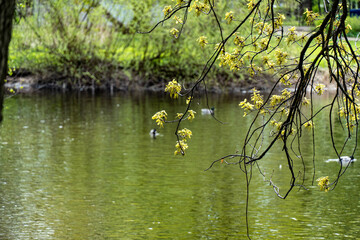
{"x":91,"y":46}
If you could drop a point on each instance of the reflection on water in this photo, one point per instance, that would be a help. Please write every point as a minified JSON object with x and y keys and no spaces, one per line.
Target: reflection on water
{"x":77,"y":166}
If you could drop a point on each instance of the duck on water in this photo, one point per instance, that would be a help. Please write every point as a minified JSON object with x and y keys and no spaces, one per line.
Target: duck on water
{"x":153,"y":133}
{"x":207,"y":111}
{"x":344,"y":160}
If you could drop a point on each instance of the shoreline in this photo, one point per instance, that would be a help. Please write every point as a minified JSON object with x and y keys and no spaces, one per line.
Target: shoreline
{"x":29,"y":82}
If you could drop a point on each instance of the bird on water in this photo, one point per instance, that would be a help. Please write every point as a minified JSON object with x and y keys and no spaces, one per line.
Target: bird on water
{"x":153,"y":133}
{"x":343,"y":160}
{"x":207,"y":111}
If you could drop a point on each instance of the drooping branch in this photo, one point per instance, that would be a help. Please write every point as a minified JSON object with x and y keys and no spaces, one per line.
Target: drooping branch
{"x":284,"y":116}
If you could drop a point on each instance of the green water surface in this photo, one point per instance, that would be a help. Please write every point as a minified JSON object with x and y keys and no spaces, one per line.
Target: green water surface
{"x":77,"y":166}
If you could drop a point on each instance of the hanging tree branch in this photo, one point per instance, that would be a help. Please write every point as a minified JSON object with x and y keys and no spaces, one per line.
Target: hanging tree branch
{"x":256,"y":40}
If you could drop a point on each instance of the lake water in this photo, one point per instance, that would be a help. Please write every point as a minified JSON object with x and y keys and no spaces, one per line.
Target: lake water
{"x":77,"y":166}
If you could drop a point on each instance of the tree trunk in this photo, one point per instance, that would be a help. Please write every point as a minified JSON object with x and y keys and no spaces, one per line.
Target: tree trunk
{"x":7,"y":9}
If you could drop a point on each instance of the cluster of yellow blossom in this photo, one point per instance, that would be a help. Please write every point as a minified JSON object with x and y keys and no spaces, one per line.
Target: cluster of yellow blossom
{"x":285,"y":93}
{"x":265,"y":60}
{"x":247,"y":106}
{"x":305,"y":101}
{"x":263,"y":43}
{"x":276,"y":124}
{"x":310,"y":16}
{"x":324,"y":183}
{"x":285,"y":80}
{"x":191,"y":115}
{"x":11,"y":71}
{"x":309,"y":124}
{"x":237,"y":64}
{"x":180,"y":146}
{"x":344,"y":48}
{"x":160,"y":118}
{"x":319,"y":89}
{"x":277,"y":99}
{"x":302,"y":38}
{"x":279,"y":21}
{"x":202,"y":41}
{"x":291,"y":36}
{"x":188,"y":100}
{"x":262,"y":27}
{"x":237,"y":58}
{"x":258,"y":102}
{"x":280,"y":56}
{"x":348,"y":28}
{"x":179,"y":2}
{"x":252,"y":70}
{"x":229,"y":17}
{"x":179,"y":115}
{"x":167,"y":10}
{"x":178,"y":20}
{"x":251,"y":4}
{"x":173,"y":88}
{"x":175,"y":32}
{"x":239,"y":41}
{"x":319,"y":39}
{"x":200,"y":7}
{"x":356,"y":88}
{"x":350,"y":112}
{"x":226,"y":59}
{"x":256,"y":98}
{"x":185,"y":133}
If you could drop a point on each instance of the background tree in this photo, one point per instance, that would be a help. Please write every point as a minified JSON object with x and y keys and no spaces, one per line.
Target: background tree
{"x":93,"y":44}
{"x":7,"y":9}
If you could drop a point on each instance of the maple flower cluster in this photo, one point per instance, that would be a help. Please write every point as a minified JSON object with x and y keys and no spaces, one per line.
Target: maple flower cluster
{"x":181,"y":145}
{"x":174,"y":89}
{"x":160,"y":118}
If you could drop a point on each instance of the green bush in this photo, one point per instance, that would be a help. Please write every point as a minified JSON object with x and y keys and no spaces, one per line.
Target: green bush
{"x":355,"y":25}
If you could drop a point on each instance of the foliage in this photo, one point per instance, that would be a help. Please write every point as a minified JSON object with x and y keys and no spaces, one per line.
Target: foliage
{"x":247,"y":38}
{"x":69,"y":38}
{"x":92,"y":43}
{"x":354,"y":22}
